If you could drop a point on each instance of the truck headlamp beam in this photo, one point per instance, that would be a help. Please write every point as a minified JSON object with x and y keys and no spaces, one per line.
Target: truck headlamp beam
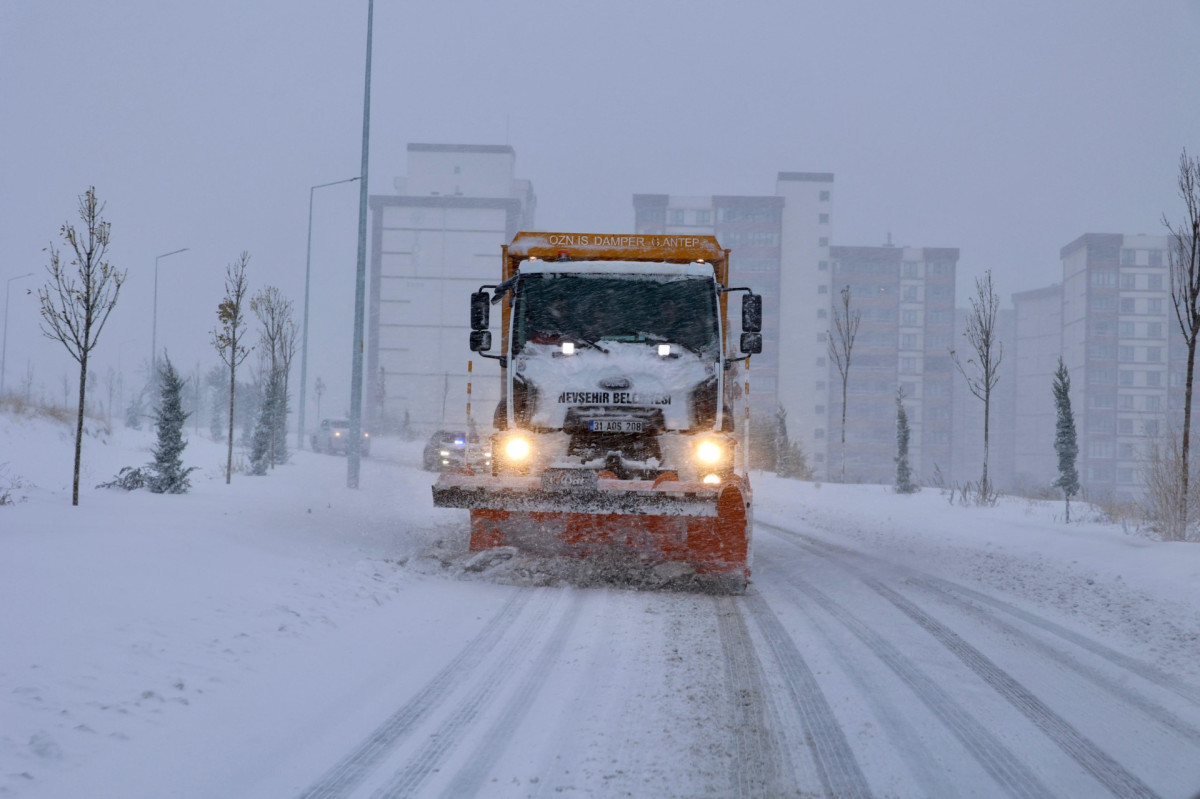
{"x":710,"y":451}
{"x":517,"y":448}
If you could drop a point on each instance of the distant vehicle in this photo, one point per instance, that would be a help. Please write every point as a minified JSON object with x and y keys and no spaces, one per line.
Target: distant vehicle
{"x":446,"y":449}
{"x":333,"y":436}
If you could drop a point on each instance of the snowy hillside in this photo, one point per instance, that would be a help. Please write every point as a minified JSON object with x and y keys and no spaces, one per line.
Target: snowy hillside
{"x":285,"y":633}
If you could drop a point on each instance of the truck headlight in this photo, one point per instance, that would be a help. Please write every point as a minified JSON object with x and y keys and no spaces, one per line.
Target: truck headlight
{"x":517,"y":448}
{"x":710,"y":451}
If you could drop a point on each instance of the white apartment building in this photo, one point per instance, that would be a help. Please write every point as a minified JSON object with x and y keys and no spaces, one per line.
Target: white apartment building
{"x":1124,"y":351}
{"x":433,"y":242}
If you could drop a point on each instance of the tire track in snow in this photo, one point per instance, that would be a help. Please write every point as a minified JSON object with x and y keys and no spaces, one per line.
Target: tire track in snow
{"x":408,"y":780}
{"x":1151,"y":709}
{"x":469,"y":780}
{"x":837,"y":767}
{"x":758,"y":761}
{"x":1094,"y":760}
{"x":1146,"y":671}
{"x":1118,"y":780}
{"x":996,"y":759}
{"x":349,"y":772}
{"x":963,"y":596}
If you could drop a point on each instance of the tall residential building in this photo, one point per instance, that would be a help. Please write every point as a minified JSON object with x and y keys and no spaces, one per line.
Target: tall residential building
{"x":1124,"y":352}
{"x":805,"y":281}
{"x":780,"y":249}
{"x":1035,"y":353}
{"x":905,"y":297}
{"x":433,"y":242}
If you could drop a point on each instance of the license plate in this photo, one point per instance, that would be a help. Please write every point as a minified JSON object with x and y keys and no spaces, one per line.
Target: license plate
{"x":615,"y":425}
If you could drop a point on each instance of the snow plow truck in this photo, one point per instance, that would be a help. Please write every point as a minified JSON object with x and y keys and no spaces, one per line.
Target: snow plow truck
{"x":614,"y":433}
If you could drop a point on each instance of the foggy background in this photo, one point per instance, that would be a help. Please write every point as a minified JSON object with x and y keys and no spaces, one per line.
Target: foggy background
{"x":1005,"y":131}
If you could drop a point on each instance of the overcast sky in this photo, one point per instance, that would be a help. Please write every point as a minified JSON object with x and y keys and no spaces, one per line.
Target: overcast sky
{"x":1005,"y":130}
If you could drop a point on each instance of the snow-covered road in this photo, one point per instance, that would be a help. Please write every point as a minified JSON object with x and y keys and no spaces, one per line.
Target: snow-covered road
{"x":260,"y":645}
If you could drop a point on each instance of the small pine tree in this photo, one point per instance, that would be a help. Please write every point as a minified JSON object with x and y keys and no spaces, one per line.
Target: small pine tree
{"x":167,"y":473}
{"x":1065,"y":444}
{"x":134,"y":411}
{"x":279,"y":447}
{"x":904,"y":481}
{"x":264,"y":430}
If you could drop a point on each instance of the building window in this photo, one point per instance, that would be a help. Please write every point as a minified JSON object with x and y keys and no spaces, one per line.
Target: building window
{"x":1125,"y":330}
{"x":908,"y":318}
{"x":823,"y":266}
{"x":1125,"y":354}
{"x":823,"y":219}
{"x":1104,"y":302}
{"x":1125,"y":451}
{"x":1128,"y":257}
{"x":820,"y":385}
{"x":675,"y":216}
{"x":822,"y":289}
{"x":819,"y":408}
{"x":1125,"y":475}
{"x":1125,"y":402}
{"x":1126,"y":377}
{"x":1125,"y":427}
{"x":909,"y":269}
{"x":1150,"y":428}
{"x":820,"y":361}
{"x":1102,"y":400}
{"x":821,"y":338}
{"x":704,"y":217}
{"x":910,"y":294}
{"x":908,"y":365}
{"x":819,"y":433}
{"x":908,"y":341}
{"x":1156,"y":258}
{"x":823,"y":241}
{"x":1103,"y":277}
{"x":822,"y":313}
{"x":1100,"y":449}
{"x":1153,"y":402}
{"x":1154,"y":330}
{"x":1154,"y":307}
{"x":1101,"y":350}
{"x":1154,"y":354}
{"x":1154,"y":282}
{"x":1127,"y":305}
{"x":1129,"y":282}
{"x":1154,"y":379}
{"x":824,"y":196}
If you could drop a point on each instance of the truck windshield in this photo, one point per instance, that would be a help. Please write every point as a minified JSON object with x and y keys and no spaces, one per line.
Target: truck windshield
{"x":636,"y":308}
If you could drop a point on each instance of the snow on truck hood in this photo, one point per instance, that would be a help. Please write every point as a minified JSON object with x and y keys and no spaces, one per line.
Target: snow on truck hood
{"x":630,"y":375}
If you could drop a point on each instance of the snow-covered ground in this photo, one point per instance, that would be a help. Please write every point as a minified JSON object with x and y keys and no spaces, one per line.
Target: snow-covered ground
{"x":286,"y":636}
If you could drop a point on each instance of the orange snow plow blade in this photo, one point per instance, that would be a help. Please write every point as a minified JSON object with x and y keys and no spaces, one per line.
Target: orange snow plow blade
{"x":704,"y":526}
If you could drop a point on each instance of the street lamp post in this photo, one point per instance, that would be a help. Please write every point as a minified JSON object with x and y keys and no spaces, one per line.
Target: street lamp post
{"x":154,"y":324}
{"x":304,"y":335}
{"x":360,"y":278}
{"x":4,"y":349}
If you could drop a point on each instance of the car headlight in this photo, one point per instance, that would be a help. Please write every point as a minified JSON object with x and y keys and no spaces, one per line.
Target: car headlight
{"x":712,"y":479}
{"x":710,"y":451}
{"x":444,"y":452}
{"x":517,"y":448}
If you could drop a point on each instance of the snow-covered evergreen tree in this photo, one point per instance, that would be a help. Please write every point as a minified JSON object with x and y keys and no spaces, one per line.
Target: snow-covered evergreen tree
{"x":904,"y":481}
{"x":279,"y":448}
{"x":1065,"y":444}
{"x":263,"y":436}
{"x":135,"y":410}
{"x":167,"y":475}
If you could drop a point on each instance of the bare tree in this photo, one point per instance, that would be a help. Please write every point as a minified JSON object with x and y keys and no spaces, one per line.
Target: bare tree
{"x":841,"y":345}
{"x":227,"y":337}
{"x":989,"y":351}
{"x":1184,"y":252}
{"x":277,"y":341}
{"x":78,"y":298}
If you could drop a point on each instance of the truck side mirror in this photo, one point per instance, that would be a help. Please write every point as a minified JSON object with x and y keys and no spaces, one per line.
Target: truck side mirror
{"x":481,"y":340}
{"x":752,"y":314}
{"x":480,"y":308}
{"x":751,"y":343}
